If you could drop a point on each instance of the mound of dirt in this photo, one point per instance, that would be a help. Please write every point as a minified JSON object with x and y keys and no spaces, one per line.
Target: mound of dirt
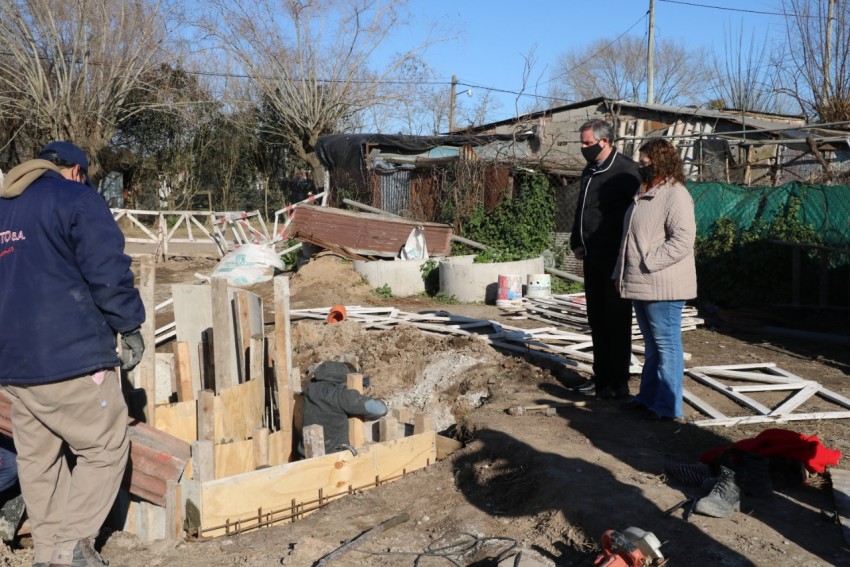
{"x":327,"y":280}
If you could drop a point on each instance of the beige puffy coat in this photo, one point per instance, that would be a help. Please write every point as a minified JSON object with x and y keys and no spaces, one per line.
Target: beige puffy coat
{"x":656,"y":261}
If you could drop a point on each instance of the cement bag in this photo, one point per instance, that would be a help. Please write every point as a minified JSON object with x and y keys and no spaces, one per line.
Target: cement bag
{"x":248,"y":264}
{"x":414,"y":248}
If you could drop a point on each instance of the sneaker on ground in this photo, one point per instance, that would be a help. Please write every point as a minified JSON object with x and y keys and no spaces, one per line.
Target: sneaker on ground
{"x":587,"y":389}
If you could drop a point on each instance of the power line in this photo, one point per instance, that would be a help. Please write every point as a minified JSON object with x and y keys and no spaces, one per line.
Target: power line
{"x":728,"y":9}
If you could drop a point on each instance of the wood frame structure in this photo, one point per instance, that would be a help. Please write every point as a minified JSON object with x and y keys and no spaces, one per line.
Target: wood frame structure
{"x":740,"y":381}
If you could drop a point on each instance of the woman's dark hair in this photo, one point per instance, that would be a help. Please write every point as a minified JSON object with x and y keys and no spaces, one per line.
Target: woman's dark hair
{"x":666,"y":163}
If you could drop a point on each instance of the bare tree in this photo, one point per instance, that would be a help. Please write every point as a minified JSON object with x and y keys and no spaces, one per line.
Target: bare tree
{"x":313,"y":61}
{"x":617,"y":69}
{"x":746,"y":76}
{"x":818,"y":35}
{"x":69,"y":66}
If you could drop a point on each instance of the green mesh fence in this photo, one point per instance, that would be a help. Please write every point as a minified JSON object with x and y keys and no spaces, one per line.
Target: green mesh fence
{"x":826,"y":208}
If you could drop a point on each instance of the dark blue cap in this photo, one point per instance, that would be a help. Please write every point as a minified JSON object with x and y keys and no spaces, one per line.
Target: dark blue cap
{"x":69,"y":153}
{"x":66,"y":151}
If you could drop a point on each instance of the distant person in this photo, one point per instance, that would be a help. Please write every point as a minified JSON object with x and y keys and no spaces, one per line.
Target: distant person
{"x":67,"y":291}
{"x":329,"y":402}
{"x":608,"y":184}
{"x":656,"y":271}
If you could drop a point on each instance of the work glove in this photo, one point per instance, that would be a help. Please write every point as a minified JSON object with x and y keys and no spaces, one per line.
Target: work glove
{"x":132,"y":347}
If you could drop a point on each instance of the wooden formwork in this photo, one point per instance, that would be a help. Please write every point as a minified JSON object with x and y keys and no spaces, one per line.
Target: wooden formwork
{"x":238,"y":407}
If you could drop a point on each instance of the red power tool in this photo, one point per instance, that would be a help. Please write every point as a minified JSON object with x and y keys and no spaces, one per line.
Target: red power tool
{"x":618,"y":551}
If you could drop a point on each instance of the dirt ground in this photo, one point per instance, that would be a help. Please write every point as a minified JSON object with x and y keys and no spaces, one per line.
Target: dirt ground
{"x":549,"y":485}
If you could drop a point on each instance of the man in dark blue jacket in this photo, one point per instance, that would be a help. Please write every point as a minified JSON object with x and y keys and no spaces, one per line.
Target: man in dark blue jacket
{"x":608,"y":184}
{"x":67,"y":290}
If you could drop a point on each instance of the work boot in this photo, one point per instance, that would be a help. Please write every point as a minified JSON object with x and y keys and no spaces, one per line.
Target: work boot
{"x":689,"y":474}
{"x":84,"y":555}
{"x":10,"y":517}
{"x":724,"y":498}
{"x":755,"y":476}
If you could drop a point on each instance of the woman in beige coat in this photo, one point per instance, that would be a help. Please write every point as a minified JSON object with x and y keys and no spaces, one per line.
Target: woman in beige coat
{"x":656,"y":271}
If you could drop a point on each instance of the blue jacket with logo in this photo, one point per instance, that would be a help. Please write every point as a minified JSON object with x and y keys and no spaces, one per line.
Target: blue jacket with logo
{"x":66,"y":287}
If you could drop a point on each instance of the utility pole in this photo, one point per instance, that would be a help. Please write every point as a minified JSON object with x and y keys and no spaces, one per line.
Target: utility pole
{"x":452,"y":100}
{"x":827,"y":56}
{"x":650,"y":56}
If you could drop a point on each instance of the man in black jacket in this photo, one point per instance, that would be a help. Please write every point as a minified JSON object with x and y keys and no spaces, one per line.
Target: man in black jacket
{"x":608,"y":184}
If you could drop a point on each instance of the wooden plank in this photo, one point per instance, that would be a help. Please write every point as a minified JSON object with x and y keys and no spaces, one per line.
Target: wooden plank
{"x":841,"y":493}
{"x":772,"y":387}
{"x":753,"y":419}
{"x":748,"y":366}
{"x":355,"y":424}
{"x":239,"y":411}
{"x":261,"y":448}
{"x":248,"y":308}
{"x":206,"y":416}
{"x":723,"y":389}
{"x":796,"y":400}
{"x":183,"y":371}
{"x":402,"y":414}
{"x":203,"y":461}
{"x":174,"y":511}
{"x":388,"y":429}
{"x":282,"y":339}
{"x":446,"y":446}
{"x":737,"y":375}
{"x":223,"y":343}
{"x":314,"y":441}
{"x":147,"y":367}
{"x":178,"y":419}
{"x":275,"y":446}
{"x":423,"y":423}
{"x":193,"y":316}
{"x":701,"y":404}
{"x":239,"y":497}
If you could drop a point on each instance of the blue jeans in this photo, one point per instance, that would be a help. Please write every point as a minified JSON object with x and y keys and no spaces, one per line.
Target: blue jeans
{"x":664,"y":365}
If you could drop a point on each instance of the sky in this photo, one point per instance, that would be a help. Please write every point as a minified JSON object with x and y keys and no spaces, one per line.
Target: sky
{"x":489,"y":40}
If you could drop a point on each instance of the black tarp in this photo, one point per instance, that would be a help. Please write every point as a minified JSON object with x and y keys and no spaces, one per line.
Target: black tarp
{"x":345,"y":151}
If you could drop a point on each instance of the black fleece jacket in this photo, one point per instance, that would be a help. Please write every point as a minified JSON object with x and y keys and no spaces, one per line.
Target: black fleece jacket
{"x":606,"y":192}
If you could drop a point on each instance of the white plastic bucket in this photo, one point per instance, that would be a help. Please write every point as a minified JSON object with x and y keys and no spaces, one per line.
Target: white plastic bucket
{"x":510,"y":288}
{"x":539,"y":286}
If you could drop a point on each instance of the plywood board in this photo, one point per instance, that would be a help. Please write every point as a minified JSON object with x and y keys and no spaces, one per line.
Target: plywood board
{"x":179,"y":420}
{"x":239,"y":411}
{"x":240,"y":497}
{"x":233,"y":459}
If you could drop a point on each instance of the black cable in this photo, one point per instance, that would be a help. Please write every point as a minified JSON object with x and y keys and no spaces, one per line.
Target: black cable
{"x":466,"y":544}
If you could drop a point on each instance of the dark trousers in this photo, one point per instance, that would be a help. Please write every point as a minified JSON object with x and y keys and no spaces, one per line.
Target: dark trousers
{"x":610,"y":319}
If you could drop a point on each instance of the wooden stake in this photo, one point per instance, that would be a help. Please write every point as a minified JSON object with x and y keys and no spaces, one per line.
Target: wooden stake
{"x":423,"y":422}
{"x":222,"y":335}
{"x":388,"y":429}
{"x":206,"y":415}
{"x":243,"y":331}
{"x":147,"y":367}
{"x":203,"y":461}
{"x":183,"y":369}
{"x":173,"y":510}
{"x":355,"y":424}
{"x":261,"y":447}
{"x":283,"y":346}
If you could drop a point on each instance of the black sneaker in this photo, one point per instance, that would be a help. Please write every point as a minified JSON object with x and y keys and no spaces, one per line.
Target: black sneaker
{"x":586,"y":389}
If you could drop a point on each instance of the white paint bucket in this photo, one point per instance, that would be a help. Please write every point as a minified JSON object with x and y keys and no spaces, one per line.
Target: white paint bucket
{"x":510,"y":288}
{"x":539,"y":286}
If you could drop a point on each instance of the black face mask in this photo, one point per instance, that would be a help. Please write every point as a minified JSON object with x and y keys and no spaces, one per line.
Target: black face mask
{"x":590,"y":153}
{"x":645,"y":172}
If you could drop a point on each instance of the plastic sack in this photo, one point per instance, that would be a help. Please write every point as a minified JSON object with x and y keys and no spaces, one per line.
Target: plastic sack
{"x":249,"y":264}
{"x":414,"y":248}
